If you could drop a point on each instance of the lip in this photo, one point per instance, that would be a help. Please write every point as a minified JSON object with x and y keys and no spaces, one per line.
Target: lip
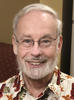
{"x":35,"y":64}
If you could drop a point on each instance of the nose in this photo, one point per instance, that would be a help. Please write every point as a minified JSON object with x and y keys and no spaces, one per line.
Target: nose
{"x":36,"y":51}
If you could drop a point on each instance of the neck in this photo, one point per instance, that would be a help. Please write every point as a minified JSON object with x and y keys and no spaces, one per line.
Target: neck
{"x":35,"y":87}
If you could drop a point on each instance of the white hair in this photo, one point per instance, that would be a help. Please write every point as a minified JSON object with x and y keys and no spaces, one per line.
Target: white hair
{"x":36,"y":6}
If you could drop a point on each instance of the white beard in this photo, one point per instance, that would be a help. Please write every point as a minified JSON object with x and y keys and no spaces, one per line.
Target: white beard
{"x":37,"y":73}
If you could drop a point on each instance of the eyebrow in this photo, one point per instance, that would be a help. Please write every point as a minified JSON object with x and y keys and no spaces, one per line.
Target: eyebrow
{"x":25,"y":36}
{"x":47,"y":36}
{"x":43,"y":37}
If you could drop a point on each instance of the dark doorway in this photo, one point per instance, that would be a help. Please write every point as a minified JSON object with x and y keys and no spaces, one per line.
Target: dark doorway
{"x":67,"y":32}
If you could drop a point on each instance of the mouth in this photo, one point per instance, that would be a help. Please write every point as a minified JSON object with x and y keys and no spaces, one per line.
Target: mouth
{"x":35,"y":64}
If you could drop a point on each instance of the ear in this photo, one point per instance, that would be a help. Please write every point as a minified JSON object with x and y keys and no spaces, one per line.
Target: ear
{"x":60,"y":42}
{"x":14,"y":44}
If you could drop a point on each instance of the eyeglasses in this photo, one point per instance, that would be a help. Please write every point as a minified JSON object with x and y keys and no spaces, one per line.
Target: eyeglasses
{"x":29,"y":43}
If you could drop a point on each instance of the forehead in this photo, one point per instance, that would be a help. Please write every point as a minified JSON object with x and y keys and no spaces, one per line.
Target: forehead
{"x":33,"y":14}
{"x":36,"y":22}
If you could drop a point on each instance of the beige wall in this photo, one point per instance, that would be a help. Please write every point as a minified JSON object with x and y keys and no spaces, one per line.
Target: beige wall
{"x":8,"y":9}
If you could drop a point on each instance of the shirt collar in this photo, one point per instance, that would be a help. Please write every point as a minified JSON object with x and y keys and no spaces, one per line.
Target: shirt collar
{"x":54,"y":85}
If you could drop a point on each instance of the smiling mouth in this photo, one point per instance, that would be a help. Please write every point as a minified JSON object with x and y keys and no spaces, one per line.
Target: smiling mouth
{"x":36,"y":64}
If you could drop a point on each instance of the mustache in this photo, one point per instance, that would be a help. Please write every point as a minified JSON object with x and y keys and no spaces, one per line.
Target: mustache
{"x":39,"y":58}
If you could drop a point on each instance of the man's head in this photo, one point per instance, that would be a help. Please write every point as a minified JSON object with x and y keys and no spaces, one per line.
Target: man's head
{"x":36,"y":40}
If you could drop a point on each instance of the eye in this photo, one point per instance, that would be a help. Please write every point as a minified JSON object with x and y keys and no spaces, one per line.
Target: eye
{"x":27,"y":41}
{"x":46,"y":41}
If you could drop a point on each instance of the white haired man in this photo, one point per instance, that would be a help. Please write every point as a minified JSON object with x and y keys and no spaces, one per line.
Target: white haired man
{"x":37,"y":41}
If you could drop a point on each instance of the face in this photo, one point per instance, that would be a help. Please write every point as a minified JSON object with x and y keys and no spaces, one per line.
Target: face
{"x":36,"y":56}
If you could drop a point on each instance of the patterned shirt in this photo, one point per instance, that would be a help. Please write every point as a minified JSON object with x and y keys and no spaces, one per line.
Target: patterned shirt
{"x":61,"y":87}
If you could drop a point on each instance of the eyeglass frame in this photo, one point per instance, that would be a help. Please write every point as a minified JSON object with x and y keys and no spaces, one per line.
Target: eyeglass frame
{"x":33,"y":42}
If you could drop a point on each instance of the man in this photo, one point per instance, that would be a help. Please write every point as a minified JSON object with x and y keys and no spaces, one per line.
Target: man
{"x":37,"y":41}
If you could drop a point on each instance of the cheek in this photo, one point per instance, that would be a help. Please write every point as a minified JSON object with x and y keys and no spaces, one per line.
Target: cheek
{"x":51,"y":52}
{"x":21,"y":52}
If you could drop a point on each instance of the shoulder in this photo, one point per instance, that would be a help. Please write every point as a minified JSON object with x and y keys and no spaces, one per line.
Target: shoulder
{"x":66,"y":85}
{"x":6,"y":87}
{"x":62,"y":77}
{"x":8,"y":82}
{"x":66,"y":78}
